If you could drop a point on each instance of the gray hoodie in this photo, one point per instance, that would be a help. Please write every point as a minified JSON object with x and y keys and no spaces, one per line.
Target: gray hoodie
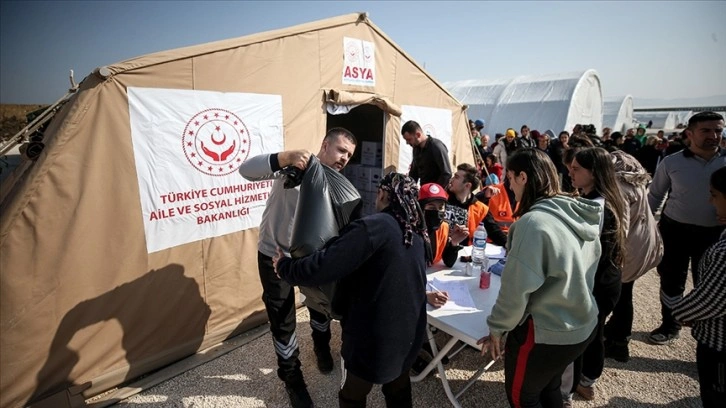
{"x":279,"y":214}
{"x":552,"y":255}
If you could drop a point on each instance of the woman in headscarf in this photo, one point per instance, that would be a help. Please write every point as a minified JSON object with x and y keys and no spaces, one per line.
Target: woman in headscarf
{"x":380,"y":261}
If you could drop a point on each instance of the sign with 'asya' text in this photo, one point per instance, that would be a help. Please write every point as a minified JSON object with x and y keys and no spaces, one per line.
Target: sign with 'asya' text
{"x":188,"y":146}
{"x":359,"y":62}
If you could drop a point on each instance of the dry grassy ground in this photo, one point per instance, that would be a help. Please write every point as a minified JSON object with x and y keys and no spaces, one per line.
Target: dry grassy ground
{"x":12,"y":118}
{"x":656,"y":376}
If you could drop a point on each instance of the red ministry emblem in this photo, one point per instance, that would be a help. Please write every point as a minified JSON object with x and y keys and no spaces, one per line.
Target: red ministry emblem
{"x":429,"y":130}
{"x":216,"y":142}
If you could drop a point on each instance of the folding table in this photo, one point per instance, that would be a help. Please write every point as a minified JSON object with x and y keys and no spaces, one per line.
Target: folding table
{"x":466,"y":326}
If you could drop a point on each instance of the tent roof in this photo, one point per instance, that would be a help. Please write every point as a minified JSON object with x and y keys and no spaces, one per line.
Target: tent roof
{"x":612,"y":104}
{"x":232,"y":43}
{"x":483,"y":91}
{"x":552,"y":101}
{"x":618,"y":112}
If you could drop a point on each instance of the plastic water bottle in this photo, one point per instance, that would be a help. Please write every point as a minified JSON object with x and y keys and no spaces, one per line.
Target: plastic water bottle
{"x":478,"y":249}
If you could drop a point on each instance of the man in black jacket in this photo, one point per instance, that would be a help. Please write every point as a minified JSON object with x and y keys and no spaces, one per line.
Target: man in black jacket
{"x":430,"y":162}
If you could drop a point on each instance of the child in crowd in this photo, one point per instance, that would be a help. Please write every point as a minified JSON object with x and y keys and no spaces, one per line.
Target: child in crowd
{"x":705,"y":307}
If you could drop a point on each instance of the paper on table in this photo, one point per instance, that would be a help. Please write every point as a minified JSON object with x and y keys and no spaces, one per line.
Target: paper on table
{"x":495,"y":252}
{"x":459,"y":296}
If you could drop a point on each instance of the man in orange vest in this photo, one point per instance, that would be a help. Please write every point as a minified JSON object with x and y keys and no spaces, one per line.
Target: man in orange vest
{"x":499,"y":206}
{"x":464,"y":212}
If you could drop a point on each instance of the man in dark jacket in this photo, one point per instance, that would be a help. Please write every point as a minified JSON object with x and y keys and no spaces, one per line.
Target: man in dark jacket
{"x":430,"y":162}
{"x":380,"y":263}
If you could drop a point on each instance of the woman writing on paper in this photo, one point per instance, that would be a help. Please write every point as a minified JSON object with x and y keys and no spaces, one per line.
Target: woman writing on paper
{"x":545,"y":303}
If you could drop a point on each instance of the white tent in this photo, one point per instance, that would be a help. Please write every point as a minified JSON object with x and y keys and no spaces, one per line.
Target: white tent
{"x":618,"y":113}
{"x":683,"y":116}
{"x":556,"y":101}
{"x":661,"y":120}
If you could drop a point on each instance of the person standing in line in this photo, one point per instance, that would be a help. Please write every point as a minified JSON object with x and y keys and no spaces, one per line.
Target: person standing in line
{"x":430,"y":162}
{"x":545,"y":304}
{"x":593,"y":173}
{"x":275,"y":232}
{"x":486,"y":150}
{"x":688,"y":223}
{"x":493,"y":166}
{"x":644,"y":251}
{"x":525,"y":139}
{"x":705,"y":307}
{"x":380,"y":262}
{"x":558,"y":148}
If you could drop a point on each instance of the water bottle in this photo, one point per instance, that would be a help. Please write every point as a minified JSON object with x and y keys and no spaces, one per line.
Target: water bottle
{"x":478,"y":249}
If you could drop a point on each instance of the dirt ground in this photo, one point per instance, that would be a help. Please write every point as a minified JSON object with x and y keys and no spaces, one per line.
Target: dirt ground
{"x":655,"y":376}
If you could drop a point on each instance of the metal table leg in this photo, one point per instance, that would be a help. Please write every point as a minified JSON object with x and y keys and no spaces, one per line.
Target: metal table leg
{"x":436,"y":361}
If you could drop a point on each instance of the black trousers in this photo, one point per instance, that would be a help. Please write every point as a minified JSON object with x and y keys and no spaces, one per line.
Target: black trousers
{"x":355,"y":391}
{"x":620,"y":326}
{"x":682,"y":244}
{"x":711,"y":375}
{"x":532,"y":371}
{"x":279,"y":299}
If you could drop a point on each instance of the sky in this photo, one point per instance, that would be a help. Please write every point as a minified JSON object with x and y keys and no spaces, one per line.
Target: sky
{"x":649,"y":49}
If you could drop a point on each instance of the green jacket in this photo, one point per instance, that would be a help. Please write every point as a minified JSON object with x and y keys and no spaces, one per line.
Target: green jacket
{"x":552,"y":255}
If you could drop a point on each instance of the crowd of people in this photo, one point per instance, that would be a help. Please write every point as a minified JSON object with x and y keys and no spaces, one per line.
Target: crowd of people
{"x":577,"y":215}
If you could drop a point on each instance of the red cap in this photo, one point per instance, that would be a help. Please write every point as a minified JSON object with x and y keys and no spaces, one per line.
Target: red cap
{"x":430,"y":192}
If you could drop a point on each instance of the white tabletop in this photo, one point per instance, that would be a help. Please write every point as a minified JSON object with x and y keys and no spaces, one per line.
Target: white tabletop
{"x":468,"y":325}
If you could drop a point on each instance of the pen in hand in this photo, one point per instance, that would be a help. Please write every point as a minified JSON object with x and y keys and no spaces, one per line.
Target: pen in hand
{"x":437,"y":298}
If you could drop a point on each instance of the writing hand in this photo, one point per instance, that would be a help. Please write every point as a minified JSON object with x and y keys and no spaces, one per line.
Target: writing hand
{"x":437,"y":299}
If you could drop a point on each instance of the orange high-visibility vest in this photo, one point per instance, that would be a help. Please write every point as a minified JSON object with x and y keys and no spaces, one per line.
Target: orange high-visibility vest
{"x":501,"y":209}
{"x":477,"y":212}
{"x":442,"y":238}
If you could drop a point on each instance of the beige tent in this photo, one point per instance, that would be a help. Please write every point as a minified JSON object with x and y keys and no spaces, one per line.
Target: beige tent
{"x":84,"y":297}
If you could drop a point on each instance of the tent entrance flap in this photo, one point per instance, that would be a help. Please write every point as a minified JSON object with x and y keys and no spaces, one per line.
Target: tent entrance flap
{"x":365,"y":168}
{"x":335,"y":100}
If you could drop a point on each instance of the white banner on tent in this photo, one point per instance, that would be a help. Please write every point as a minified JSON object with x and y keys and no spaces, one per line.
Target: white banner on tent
{"x":434,"y":122}
{"x":359,"y":62}
{"x":188,"y":146}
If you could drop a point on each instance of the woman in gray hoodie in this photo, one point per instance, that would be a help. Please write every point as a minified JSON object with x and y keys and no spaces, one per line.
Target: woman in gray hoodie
{"x":545,"y":304}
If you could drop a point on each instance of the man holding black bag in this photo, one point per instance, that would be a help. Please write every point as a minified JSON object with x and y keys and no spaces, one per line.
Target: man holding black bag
{"x":275,"y":231}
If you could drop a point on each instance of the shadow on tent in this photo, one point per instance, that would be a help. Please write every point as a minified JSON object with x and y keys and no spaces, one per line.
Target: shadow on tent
{"x":159,"y":327}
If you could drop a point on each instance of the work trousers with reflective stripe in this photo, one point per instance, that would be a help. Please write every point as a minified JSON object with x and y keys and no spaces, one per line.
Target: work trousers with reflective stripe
{"x":682,"y":244}
{"x":279,"y":299}
{"x":533,"y":371}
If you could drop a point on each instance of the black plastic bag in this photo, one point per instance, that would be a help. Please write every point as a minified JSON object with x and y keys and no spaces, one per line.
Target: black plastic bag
{"x":327,"y":203}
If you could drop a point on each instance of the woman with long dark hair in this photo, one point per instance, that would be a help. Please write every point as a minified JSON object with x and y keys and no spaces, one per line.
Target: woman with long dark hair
{"x":545,"y":304}
{"x":593,"y":173}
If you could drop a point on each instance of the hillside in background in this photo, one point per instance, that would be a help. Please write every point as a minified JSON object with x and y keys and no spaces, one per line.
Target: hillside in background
{"x":715,"y":100}
{"x":12,"y":118}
